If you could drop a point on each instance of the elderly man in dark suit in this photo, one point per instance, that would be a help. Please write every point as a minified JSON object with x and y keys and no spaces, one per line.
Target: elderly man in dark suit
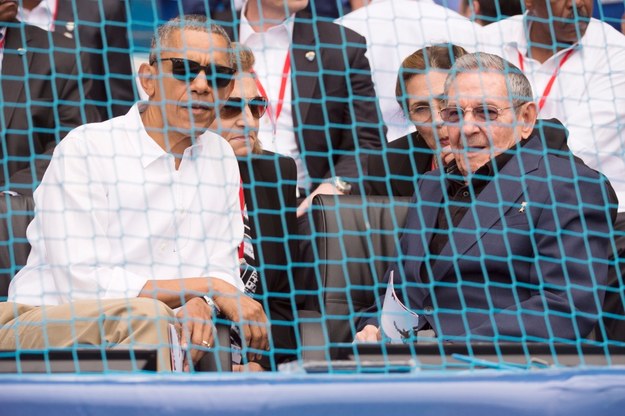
{"x":42,"y":99}
{"x":514,"y":245}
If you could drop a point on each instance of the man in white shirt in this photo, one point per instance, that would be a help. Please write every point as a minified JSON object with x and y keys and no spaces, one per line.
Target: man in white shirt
{"x":139,"y":215}
{"x":395,"y":29}
{"x":576,"y":65}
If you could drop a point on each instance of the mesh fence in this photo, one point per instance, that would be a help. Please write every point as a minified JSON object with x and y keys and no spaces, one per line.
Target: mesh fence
{"x":479,"y":222}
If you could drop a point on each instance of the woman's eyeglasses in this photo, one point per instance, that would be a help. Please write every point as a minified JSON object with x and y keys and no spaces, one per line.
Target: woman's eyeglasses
{"x":482,"y":113}
{"x":234,"y":106}
{"x":187,"y":70}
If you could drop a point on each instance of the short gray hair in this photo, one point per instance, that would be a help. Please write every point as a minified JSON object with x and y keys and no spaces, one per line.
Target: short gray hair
{"x":519,"y":87}
{"x":196,"y":22}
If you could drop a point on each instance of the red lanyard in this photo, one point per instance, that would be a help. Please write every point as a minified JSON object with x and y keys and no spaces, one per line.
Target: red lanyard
{"x":2,"y":40}
{"x":285,"y":77}
{"x":55,"y":13}
{"x":547,"y":91}
{"x":242,"y":202}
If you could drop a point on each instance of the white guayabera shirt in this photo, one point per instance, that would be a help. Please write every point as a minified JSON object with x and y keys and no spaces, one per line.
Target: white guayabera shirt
{"x":112,"y":212}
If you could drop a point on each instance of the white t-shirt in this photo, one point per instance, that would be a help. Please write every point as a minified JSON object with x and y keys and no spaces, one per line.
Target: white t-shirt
{"x":395,"y":29}
{"x":112,"y":212}
{"x":588,"y":95}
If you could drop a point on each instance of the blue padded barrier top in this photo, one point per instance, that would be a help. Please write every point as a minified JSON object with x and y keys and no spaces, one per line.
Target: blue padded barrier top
{"x":546,"y":392}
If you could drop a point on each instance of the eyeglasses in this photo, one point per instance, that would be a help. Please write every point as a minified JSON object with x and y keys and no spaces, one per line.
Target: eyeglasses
{"x":234,"y":106}
{"x":481,"y":113}
{"x":421,"y":113}
{"x":188,"y":70}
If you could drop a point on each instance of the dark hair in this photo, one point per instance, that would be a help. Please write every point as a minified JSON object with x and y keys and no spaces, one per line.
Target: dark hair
{"x":440,"y":56}
{"x":495,"y":10}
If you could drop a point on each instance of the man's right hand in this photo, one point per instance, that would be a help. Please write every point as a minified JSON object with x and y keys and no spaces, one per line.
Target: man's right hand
{"x":369,"y":333}
{"x":239,"y":307}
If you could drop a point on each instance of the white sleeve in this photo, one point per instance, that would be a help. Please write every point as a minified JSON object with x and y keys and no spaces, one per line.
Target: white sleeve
{"x":224,"y":258}
{"x":73,"y":220}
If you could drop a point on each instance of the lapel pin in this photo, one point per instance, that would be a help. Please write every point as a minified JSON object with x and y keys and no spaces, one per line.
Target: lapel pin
{"x":21,"y":51}
{"x":523,"y":205}
{"x":310,"y":55}
{"x":68,"y":35}
{"x":70,"y":26}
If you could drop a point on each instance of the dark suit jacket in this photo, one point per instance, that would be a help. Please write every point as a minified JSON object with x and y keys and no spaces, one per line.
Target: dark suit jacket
{"x":100,"y":29}
{"x":43,"y":98}
{"x":269,"y":182}
{"x":396,"y":169}
{"x":335,"y":114}
{"x":508,"y":271}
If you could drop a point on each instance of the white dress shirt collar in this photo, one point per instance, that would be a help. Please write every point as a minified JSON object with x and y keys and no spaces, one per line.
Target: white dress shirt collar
{"x":41,"y":15}
{"x":246,"y":30}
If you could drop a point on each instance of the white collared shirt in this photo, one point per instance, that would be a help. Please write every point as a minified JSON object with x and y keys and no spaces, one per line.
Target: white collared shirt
{"x":42,"y":15}
{"x":588,"y":95}
{"x":112,"y":212}
{"x":395,"y":29}
{"x":270,"y":50}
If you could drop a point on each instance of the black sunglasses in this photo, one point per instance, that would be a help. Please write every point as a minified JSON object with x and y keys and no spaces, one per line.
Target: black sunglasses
{"x":234,"y":106}
{"x":187,"y":70}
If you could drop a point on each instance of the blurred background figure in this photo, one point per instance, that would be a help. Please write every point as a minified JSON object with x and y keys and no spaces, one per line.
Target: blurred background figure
{"x":99,"y":31}
{"x":419,"y":92}
{"x":321,"y":8}
{"x":394,"y":29}
{"x":484,"y":12}
{"x":269,"y":183}
{"x":42,"y":97}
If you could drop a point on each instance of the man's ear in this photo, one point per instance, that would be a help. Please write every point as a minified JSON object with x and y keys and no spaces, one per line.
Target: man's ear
{"x":148,"y":77}
{"x":528,"y":113}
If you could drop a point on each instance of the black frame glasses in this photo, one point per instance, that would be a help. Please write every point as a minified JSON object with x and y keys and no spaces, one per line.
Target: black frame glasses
{"x":187,"y":70}
{"x":481,"y":113}
{"x":234,"y":106}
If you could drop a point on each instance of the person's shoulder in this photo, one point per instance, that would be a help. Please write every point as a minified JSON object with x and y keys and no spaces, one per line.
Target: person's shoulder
{"x":603,"y":38}
{"x":271,"y":160}
{"x":329,"y":32}
{"x":503,"y":27}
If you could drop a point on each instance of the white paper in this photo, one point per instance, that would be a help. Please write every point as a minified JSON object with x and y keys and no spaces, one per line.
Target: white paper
{"x":177,"y":355}
{"x":397,"y":321}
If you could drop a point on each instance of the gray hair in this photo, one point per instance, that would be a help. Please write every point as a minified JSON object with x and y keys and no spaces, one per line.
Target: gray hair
{"x":519,"y":87}
{"x":196,"y":22}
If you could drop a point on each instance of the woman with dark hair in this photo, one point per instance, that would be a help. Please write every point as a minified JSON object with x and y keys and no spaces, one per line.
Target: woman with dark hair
{"x":269,"y":183}
{"x":419,"y":92}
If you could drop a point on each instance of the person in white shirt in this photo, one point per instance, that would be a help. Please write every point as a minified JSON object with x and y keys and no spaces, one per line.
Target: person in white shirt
{"x":576,"y":65}
{"x":394,"y":29}
{"x":141,"y":214}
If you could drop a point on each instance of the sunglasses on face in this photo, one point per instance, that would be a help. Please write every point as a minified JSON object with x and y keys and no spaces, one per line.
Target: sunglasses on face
{"x":482,"y":113}
{"x":234,"y":106}
{"x":187,"y":70}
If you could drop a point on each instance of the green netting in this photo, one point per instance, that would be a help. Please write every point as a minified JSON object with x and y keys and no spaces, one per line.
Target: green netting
{"x":520,"y":266}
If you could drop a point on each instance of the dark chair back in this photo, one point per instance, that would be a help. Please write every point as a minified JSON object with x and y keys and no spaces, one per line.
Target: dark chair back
{"x":16,"y":212}
{"x":357,"y":239}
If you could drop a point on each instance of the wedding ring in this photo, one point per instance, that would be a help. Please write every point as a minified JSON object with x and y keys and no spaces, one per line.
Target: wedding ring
{"x":206,"y":344}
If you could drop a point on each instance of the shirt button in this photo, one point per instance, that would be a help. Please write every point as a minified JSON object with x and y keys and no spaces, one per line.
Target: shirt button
{"x":163,"y":247}
{"x":428,"y":310}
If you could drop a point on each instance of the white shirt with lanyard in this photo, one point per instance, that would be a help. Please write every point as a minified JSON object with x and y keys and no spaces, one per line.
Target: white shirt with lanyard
{"x":583,"y":86}
{"x":271,"y":51}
